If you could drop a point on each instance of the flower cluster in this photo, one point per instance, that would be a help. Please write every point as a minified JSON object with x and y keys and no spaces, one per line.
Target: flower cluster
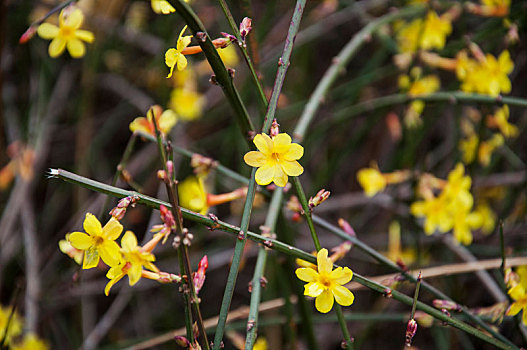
{"x":452,"y":209}
{"x":11,"y":332}
{"x":428,"y":33}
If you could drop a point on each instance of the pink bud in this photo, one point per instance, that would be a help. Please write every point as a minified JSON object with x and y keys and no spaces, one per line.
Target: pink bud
{"x":245,"y":27}
{"x":28,"y":34}
{"x":199,"y":276}
{"x":411,"y":329}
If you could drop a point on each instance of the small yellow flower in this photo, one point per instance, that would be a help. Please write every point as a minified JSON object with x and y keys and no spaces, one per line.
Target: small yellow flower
{"x":229,"y":56}
{"x":15,"y":324}
{"x":31,"y":342}
{"x":276,"y":159}
{"x":192,"y":194}
{"x":99,"y":242}
{"x":486,"y":148}
{"x":518,"y":293}
{"x":435,"y":212}
{"x":488,"y":217}
{"x":395,"y":251}
{"x":165,"y":121}
{"x":187,"y":103}
{"x":134,"y":258}
{"x":426,"y":34}
{"x":464,"y":223}
{"x":162,"y":7}
{"x":261,"y":344}
{"x":371,"y":180}
{"x":66,"y":247}
{"x":67,"y":34}
{"x":174,"y":57}
{"x":500,"y":120}
{"x":421,"y":86}
{"x":326,"y":285}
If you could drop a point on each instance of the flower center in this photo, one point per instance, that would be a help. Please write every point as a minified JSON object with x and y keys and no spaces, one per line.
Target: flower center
{"x":325,"y":281}
{"x":98,"y":240}
{"x":67,"y":32}
{"x":276,"y":156}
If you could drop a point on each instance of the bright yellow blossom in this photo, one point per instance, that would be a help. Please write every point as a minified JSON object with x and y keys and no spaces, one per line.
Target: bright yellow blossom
{"x":187,"y":103}
{"x":31,"y":342}
{"x":488,"y":217}
{"x":98,"y":242}
{"x":67,"y":34}
{"x":469,"y":146}
{"x":276,"y":159}
{"x":326,"y":285}
{"x":192,"y":194}
{"x":134,"y":258}
{"x":490,"y":8}
{"x":261,"y":344}
{"x":519,"y":295}
{"x":162,"y":7}
{"x":429,"y":33}
{"x":371,"y":180}
{"x":421,"y":86}
{"x":165,"y":121}
{"x":74,"y":253}
{"x":435,"y":213}
{"x":229,"y":56}
{"x":174,"y":57}
{"x":500,"y":120}
{"x":464,"y":223}
{"x":15,"y":324}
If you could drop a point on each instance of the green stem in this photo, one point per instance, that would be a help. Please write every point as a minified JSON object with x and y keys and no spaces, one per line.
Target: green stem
{"x":270,"y":224}
{"x":245,"y":54}
{"x":283,"y":64}
{"x":223,"y":77}
{"x":278,"y":246}
{"x":236,"y":259}
{"x":344,"y":328}
{"x":451,"y":97}
{"x":339,"y":64}
{"x":416,"y":295}
{"x":307,"y":212}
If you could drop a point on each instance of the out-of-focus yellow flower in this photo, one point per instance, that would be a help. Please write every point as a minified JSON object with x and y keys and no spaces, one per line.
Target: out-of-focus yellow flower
{"x":261,"y":344}
{"x":187,"y":103}
{"x":276,"y":159}
{"x":420,"y":86}
{"x":490,"y":8}
{"x":165,"y":121}
{"x":192,"y":194}
{"x":229,"y":56}
{"x":162,"y":7}
{"x":435,"y":213}
{"x":74,"y":253}
{"x":15,"y":324}
{"x":371,"y":180}
{"x":134,"y":259}
{"x":31,"y":342}
{"x":518,"y":293}
{"x":98,"y":242}
{"x":429,"y":33}
{"x":500,"y":120}
{"x":326,"y":284}
{"x":67,"y":34}
{"x":468,"y":147}
{"x":21,"y":163}
{"x":395,"y":252}
{"x":487,"y":75}
{"x":464,"y":223}
{"x":487,"y":148}
{"x":488,"y":217}
{"x":174,"y":57}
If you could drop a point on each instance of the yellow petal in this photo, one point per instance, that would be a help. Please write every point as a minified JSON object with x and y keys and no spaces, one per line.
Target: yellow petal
{"x":47,"y":31}
{"x":84,"y":35}
{"x":341,"y":275}
{"x":517,"y":292}
{"x":181,"y":62}
{"x":255,"y":159}
{"x":514,"y":309}
{"x":129,"y":242}
{"x":291,"y":168}
{"x":313,"y":289}
{"x":76,"y":48}
{"x":91,"y":258}
{"x":263,"y":143}
{"x":167,"y":121}
{"x":134,"y":274}
{"x":116,"y":271}
{"x":110,"y":284}
{"x":182,"y":32}
{"x":306,"y":274}
{"x":74,"y":19}
{"x":279,"y":176}
{"x":56,"y":47}
{"x":324,"y":301}
{"x":183,"y":42}
{"x":91,"y":225}
{"x":324,"y":264}
{"x":343,"y":296}
{"x":80,"y":240}
{"x":110,"y":253}
{"x":295,"y":152}
{"x":264,"y":175}
{"x":281,"y":143}
{"x":112,"y":229}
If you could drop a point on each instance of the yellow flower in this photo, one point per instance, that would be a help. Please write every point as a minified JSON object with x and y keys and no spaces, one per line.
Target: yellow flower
{"x":435,"y":212}
{"x":464,"y":223}
{"x":261,"y":344}
{"x":174,"y":57}
{"x":488,"y":217}
{"x":98,"y":242}
{"x":162,"y":7}
{"x":371,"y":180}
{"x":229,"y":56}
{"x":276,"y":159}
{"x":500,"y":120}
{"x":426,"y":34}
{"x":31,"y":342}
{"x":192,"y":194}
{"x":486,"y":148}
{"x":165,"y":121}
{"x":15,"y":324}
{"x":74,"y":253}
{"x":468,"y":148}
{"x":519,"y":295}
{"x":67,"y":34}
{"x":420,"y":86}
{"x":326,"y":285}
{"x":395,"y":252}
{"x":187,"y":103}
{"x":134,"y":258}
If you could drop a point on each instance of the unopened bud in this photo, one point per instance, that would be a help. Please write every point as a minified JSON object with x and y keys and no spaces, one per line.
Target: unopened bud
{"x":231,"y":37}
{"x":294,"y":204}
{"x":446,"y":305}
{"x":245,"y":27}
{"x":346,"y":227}
{"x":182,"y":341}
{"x":119,"y":211}
{"x":28,"y":34}
{"x":275,"y":128}
{"x":162,"y":175}
{"x":320,"y":197}
{"x":201,"y":164}
{"x":411,"y":329}
{"x":170,"y":167}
